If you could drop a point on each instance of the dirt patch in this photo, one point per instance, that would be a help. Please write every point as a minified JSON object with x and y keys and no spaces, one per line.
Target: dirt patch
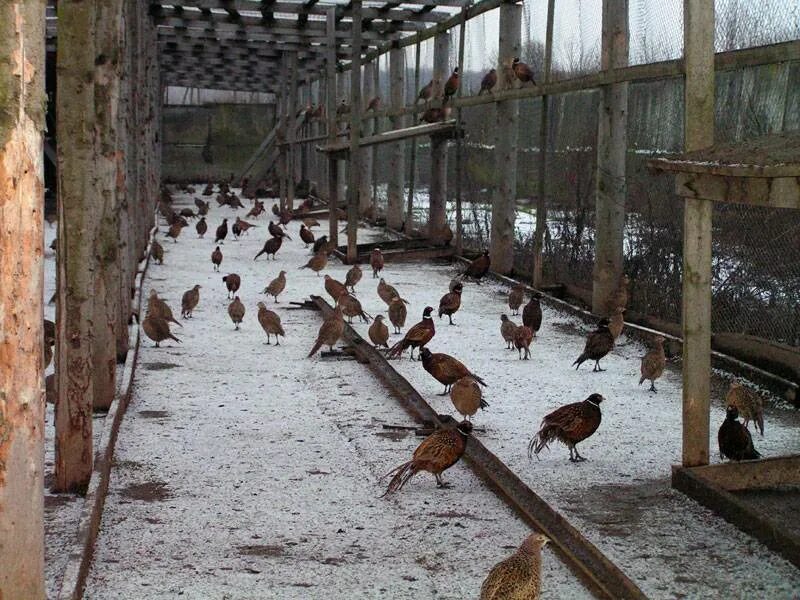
{"x":153,"y":414}
{"x":396,"y":435}
{"x":152,"y":491}
{"x":261,"y":550}
{"x":57,"y":500}
{"x":159,"y":366}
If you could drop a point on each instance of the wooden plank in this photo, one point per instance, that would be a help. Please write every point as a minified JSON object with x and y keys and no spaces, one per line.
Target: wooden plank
{"x":396,"y":175}
{"x":445,"y":129}
{"x":699,"y":133}
{"x":413,"y":156}
{"x":541,"y":184}
{"x":770,"y":532}
{"x":600,"y":574}
{"x":22,"y":412}
{"x":772,"y":192}
{"x":612,"y":142}
{"x":437,"y":192}
{"x":356,"y":106}
{"x":504,"y":191}
{"x":291,"y":133}
{"x":263,"y":147}
{"x":772,"y":472}
{"x":283,"y":110}
{"x":459,"y":238}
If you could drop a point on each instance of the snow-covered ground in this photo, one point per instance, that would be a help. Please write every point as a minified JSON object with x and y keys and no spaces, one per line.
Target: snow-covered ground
{"x":246,"y":470}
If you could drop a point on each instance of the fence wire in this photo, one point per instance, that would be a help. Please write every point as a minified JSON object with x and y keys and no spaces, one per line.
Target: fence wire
{"x":756,"y":253}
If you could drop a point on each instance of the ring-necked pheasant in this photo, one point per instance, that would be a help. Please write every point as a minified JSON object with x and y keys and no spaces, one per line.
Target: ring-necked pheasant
{"x":416,"y":337}
{"x":599,"y":343}
{"x":735,"y":441}
{"x":446,"y":369}
{"x":570,"y":425}
{"x":437,"y":453}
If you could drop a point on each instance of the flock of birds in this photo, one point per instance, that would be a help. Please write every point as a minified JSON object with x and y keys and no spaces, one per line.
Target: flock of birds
{"x":517,"y":576}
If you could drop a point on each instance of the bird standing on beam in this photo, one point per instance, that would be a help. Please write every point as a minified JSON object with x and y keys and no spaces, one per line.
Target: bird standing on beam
{"x":452,"y":83}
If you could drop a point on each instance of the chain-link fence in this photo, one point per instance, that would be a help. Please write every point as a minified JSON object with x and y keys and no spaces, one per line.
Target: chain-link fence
{"x":756,"y":251}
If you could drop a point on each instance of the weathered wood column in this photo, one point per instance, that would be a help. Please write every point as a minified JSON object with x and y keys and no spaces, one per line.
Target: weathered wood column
{"x":541,"y":199}
{"x":504,"y":195}
{"x":342,"y":168}
{"x":367,"y":154}
{"x":22,"y":60}
{"x":437,"y":217}
{"x":109,"y":53}
{"x":698,"y":44}
{"x":77,"y":207}
{"x":612,"y":145}
{"x":291,"y":132}
{"x":412,"y":158}
{"x":334,"y":197}
{"x":397,"y":169}
{"x":355,"y":134}
{"x":281,"y":136}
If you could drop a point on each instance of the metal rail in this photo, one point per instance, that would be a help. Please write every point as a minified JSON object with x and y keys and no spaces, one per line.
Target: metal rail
{"x":601,"y":575}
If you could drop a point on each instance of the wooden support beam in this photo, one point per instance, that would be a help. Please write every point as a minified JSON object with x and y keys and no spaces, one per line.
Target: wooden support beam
{"x":612,"y":144}
{"x":283,"y":149}
{"x":356,"y":106}
{"x":437,"y":201}
{"x":396,"y":171}
{"x":367,"y":154}
{"x":334,"y":198}
{"x":413,"y":155}
{"x":541,"y":196}
{"x":698,"y":32}
{"x":108,"y":273}
{"x":459,"y":245}
{"x":77,"y":221}
{"x":504,"y":194}
{"x":22,"y":121}
{"x":291,"y":133}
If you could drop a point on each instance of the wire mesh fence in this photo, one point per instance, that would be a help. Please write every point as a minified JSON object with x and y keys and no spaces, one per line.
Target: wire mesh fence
{"x":756,"y":251}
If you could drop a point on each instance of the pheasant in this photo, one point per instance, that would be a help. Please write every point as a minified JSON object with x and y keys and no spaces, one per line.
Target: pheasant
{"x":270,"y":322}
{"x":397,"y":313}
{"x":376,"y":262}
{"x":157,"y":252}
{"x":488,"y":82}
{"x":387,"y":292}
{"x":378,"y":332}
{"x":329,"y":332}
{"x":451,"y":302}
{"x":353,"y":277}
{"x":334,"y":288}
{"x":189,"y":301}
{"x":416,"y":337}
{"x":735,"y":441}
{"x":452,"y":83}
{"x":236,"y":312}
{"x":748,"y":403}
{"x":523,"y":336}
{"x":446,"y":369}
{"x":158,"y":308}
{"x":271,"y":246}
{"x":222,"y":232}
{"x":305,"y":235}
{"x":507,"y":328}
{"x":276,"y":286}
{"x":467,"y":397}
{"x":216,"y":258}
{"x":478,"y":267}
{"x":157,"y":329}
{"x":233,"y":282}
{"x":570,"y":424}
{"x":437,"y":453}
{"x":523,"y":72}
{"x":653,"y":363}
{"x":598,"y":344}
{"x":318,"y":262}
{"x":519,"y":576}
{"x":515,"y":297}
{"x":351,"y":307}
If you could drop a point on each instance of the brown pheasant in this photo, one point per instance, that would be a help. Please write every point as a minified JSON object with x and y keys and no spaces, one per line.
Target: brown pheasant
{"x":236,"y":312}
{"x":233,"y":282}
{"x":157,"y":329}
{"x":216,"y":258}
{"x":270,"y":322}
{"x":271,"y":246}
{"x":519,"y":576}
{"x":598,"y":344}
{"x":376,"y":262}
{"x":467,"y":397}
{"x":451,"y":302}
{"x":397,"y":313}
{"x":570,"y":424}
{"x":515,"y":298}
{"x":446,"y":369}
{"x":478,"y":267}
{"x":653,"y":363}
{"x":748,"y":403}
{"x":334,"y":288}
{"x":353,"y":277}
{"x":379,"y":332}
{"x":276,"y":286}
{"x":416,"y":337}
{"x":329,"y":332}
{"x":189,"y":301}
{"x":523,"y":336}
{"x":507,"y":328}
{"x":437,"y":453}
{"x":318,"y":262}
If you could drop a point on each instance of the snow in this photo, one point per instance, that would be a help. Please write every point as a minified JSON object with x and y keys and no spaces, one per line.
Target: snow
{"x":247,"y":470}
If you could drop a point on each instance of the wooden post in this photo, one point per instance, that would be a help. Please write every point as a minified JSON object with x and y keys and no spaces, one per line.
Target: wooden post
{"x":77,"y":207}
{"x":504,"y":195}
{"x":698,"y":36}
{"x":612,"y":145}
{"x":412,"y":171}
{"x":281,"y":137}
{"x":376,"y":128}
{"x":367,"y":154}
{"x":541,"y":200}
{"x":396,"y":171}
{"x":342,"y":91}
{"x":355,"y":135}
{"x":462,"y":31}
{"x":437,"y":216}
{"x":108,"y":274}
{"x":291,"y":110}
{"x":330,"y":112}
{"x":22,"y":55}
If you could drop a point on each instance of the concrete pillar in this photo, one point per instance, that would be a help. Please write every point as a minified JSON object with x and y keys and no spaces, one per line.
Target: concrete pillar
{"x":504,"y":195}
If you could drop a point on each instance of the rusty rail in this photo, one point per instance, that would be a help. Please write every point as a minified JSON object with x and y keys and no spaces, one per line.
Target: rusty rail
{"x":601,"y":575}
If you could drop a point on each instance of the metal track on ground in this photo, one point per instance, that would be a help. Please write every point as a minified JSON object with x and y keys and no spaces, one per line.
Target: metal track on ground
{"x":600,"y":574}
